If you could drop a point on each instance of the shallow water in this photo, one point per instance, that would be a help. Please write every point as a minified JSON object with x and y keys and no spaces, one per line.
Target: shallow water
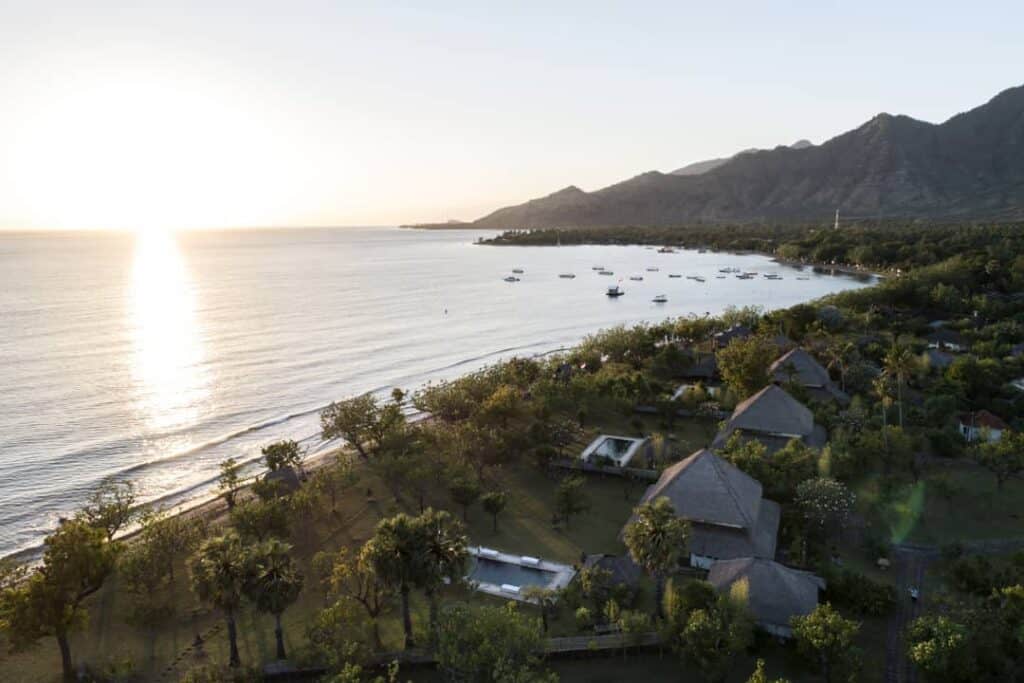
{"x":156,"y":357}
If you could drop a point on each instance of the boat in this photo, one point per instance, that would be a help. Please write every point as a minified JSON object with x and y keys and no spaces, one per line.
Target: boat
{"x":660,"y":299}
{"x":517,"y":270}
{"x":567,"y":276}
{"x":614,"y":291}
{"x":511,"y":278}
{"x":636,"y":278}
{"x":674,"y":275}
{"x":719,"y":277}
{"x":597,"y":267}
{"x":666,"y":250}
{"x":652,"y":270}
{"x":803,"y":277}
{"x":698,"y":278}
{"x":606,"y":272}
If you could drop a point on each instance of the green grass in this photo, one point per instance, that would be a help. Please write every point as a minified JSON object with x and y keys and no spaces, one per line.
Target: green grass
{"x":919,"y":513}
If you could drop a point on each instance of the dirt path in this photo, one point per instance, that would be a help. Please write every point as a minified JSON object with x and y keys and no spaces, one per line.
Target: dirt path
{"x":910,"y":566}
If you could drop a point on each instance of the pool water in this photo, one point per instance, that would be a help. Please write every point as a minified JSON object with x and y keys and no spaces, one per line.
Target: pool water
{"x":497,"y":573}
{"x":614,"y":448}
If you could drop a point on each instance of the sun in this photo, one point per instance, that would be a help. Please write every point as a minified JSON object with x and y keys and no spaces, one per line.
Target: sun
{"x":135,"y":152}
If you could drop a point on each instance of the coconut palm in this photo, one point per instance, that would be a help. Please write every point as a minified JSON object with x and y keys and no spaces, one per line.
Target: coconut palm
{"x":656,"y":539}
{"x":396,"y":554}
{"x":273,"y":583}
{"x":899,"y":362}
{"x":218,"y":578}
{"x":444,"y":555}
{"x":838,"y":354}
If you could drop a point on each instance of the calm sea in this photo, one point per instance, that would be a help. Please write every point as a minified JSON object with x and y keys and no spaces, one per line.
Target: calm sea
{"x":156,"y":357}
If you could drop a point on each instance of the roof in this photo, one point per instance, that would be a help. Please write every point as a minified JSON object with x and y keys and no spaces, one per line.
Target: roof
{"x":939,"y":359}
{"x":735,"y":332}
{"x":773,"y":411}
{"x":705,"y":367}
{"x":706,"y":488}
{"x":725,"y":543}
{"x":945,"y":336}
{"x":983,"y":419}
{"x":802,"y":367}
{"x":622,"y":567}
{"x":775,"y":593}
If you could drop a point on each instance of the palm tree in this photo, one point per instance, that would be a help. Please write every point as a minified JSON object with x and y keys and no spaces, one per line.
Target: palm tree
{"x":273,"y":583}
{"x":656,"y":539}
{"x":838,"y":354}
{"x":396,"y":554}
{"x":218,"y":579}
{"x":444,"y":556}
{"x":880,"y":385}
{"x":899,"y":361}
{"x":544,"y":598}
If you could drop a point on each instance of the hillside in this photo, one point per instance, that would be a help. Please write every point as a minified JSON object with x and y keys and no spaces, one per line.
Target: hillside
{"x":698,"y":167}
{"x":971,"y":166}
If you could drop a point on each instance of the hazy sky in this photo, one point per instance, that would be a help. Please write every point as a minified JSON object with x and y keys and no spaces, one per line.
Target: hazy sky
{"x":193,"y":114}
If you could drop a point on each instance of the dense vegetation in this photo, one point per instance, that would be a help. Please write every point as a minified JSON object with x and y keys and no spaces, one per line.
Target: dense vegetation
{"x":364,"y":553}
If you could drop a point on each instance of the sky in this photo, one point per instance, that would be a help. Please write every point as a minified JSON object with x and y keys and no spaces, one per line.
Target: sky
{"x":140,"y":114}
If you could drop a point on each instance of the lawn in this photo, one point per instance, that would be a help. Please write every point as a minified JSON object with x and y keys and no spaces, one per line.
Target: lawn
{"x":928,"y":512}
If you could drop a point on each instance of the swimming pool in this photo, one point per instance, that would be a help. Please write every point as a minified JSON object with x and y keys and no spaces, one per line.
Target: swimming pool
{"x":490,"y":571}
{"x":618,"y":449}
{"x":506,"y":575}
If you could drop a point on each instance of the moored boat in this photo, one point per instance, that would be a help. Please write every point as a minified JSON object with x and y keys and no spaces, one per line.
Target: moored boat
{"x":614,"y":291}
{"x":660,"y":299}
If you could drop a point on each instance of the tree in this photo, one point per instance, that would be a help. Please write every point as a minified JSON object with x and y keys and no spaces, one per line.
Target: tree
{"x":353,"y":577}
{"x":261,"y":519}
{"x":504,"y":404}
{"x":714,"y":637}
{"x":488,"y":644}
{"x":838,"y":355}
{"x":899,"y":363}
{"x":656,"y":540}
{"x":110,"y":507}
{"x":571,"y":498}
{"x":444,"y":554}
{"x":77,"y":559}
{"x":761,"y":676}
{"x":1003,"y":458}
{"x":363,"y":422}
{"x":823,"y":502}
{"x":230,"y":481}
{"x":282,"y":454}
{"x":544,"y":598}
{"x":744,"y":364}
{"x":827,"y":638}
{"x":464,"y":491}
{"x":334,"y":479}
{"x":494,"y":503}
{"x":940,"y":647}
{"x":219,"y":572}
{"x":395,"y":552}
{"x":273,"y":583}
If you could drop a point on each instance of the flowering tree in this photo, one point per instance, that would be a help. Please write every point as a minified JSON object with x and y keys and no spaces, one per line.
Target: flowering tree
{"x":823,"y":501}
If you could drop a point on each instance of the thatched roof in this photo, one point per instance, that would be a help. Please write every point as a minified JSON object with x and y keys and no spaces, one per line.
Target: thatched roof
{"x":806,"y":371}
{"x":724,"y":543}
{"x":622,"y":567}
{"x":775,"y":592}
{"x":706,"y":488}
{"x":772,"y":411}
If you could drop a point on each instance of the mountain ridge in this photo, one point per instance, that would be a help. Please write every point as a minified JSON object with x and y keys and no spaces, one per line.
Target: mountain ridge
{"x":969,"y":166}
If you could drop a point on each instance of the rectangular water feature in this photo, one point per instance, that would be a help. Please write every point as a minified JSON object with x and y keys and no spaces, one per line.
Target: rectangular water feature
{"x":616,"y":449}
{"x":506,"y":575}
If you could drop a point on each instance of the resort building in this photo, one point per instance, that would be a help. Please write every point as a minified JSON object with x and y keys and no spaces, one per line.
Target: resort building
{"x":944,"y":339}
{"x":940,"y":360}
{"x":725,"y":337}
{"x":774,"y":418}
{"x":728,"y":517}
{"x":802,"y":368}
{"x":981,"y":425}
{"x":775,"y":593}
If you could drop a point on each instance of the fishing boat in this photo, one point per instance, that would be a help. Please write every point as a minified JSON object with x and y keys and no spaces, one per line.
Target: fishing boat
{"x":652,"y":270}
{"x":517,"y":270}
{"x":636,"y":278}
{"x":803,"y":277}
{"x":597,"y":267}
{"x":666,"y":250}
{"x":567,"y":276}
{"x":660,"y":299}
{"x":698,"y":278}
{"x":614,"y":291}
{"x":674,"y":275}
{"x":606,"y":272}
{"x":511,"y":278}
{"x":719,"y":277}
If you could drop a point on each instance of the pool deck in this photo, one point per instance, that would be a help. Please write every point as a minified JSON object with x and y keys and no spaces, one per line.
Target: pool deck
{"x":561,"y":574}
{"x":622,"y":460}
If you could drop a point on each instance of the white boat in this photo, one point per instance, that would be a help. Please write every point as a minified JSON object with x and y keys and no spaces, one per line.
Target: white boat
{"x":606,"y":272}
{"x":567,"y":276}
{"x":674,"y":275}
{"x":660,"y":299}
{"x":614,"y":291}
{"x":511,"y":278}
{"x":652,"y":270}
{"x":698,"y":278}
{"x":636,"y":278}
{"x":597,"y":267}
{"x":517,"y":270}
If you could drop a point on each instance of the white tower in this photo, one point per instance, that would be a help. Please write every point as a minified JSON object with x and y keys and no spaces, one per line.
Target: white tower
{"x":837,"y":219}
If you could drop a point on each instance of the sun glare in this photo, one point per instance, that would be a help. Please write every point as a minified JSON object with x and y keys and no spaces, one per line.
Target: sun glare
{"x":148,"y":154}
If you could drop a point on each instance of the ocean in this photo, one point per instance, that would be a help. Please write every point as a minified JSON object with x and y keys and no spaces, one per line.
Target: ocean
{"x":153,"y":357}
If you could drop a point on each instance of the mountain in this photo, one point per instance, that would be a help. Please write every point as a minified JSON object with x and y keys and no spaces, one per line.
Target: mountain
{"x":971,"y":166}
{"x":698,"y":167}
